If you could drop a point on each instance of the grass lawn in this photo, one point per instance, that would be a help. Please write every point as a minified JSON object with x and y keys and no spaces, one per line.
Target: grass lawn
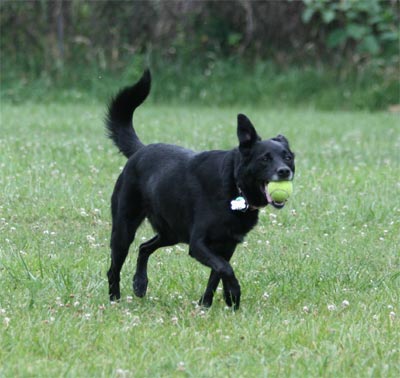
{"x":320,"y":279}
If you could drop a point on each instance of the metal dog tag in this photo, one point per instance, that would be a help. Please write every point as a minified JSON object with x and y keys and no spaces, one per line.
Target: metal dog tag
{"x":240,"y":204}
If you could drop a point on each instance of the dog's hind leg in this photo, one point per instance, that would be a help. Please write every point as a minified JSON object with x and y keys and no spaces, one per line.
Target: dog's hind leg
{"x":122,"y":237}
{"x":127,"y":216}
{"x":140,"y":279}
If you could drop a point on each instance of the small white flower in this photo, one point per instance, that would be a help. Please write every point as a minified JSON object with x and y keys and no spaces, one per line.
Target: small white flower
{"x":345,"y":303}
{"x":121,"y":373}
{"x":331,"y":307}
{"x":306,"y":309}
{"x":90,"y":238}
{"x":83,"y":212}
{"x":392,"y":315}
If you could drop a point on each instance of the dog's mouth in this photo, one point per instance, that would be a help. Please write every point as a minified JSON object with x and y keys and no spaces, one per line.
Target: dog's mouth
{"x":277,"y":205}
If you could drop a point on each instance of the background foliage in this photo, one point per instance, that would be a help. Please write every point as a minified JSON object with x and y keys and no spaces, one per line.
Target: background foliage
{"x":352,"y":46}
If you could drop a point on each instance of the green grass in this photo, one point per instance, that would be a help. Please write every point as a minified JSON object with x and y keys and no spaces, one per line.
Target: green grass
{"x":320,"y":278}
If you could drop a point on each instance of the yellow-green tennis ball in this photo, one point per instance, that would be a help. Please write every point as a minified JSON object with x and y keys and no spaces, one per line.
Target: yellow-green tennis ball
{"x":280,"y":191}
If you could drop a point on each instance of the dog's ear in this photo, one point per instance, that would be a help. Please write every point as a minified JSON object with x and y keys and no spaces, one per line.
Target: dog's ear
{"x":281,"y":139}
{"x":246,"y":132}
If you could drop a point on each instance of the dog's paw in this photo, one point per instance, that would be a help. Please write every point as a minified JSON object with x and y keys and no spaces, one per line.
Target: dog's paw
{"x":206,"y":301}
{"x":114,"y":293}
{"x":232,"y":300}
{"x":140,"y":285}
{"x":115,"y":297}
{"x":232,"y":295}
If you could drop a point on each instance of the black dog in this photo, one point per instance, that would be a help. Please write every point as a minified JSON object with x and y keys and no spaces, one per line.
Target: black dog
{"x":208,"y":200}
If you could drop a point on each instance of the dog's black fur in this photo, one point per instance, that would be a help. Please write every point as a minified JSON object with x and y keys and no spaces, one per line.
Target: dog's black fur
{"x":186,"y":195}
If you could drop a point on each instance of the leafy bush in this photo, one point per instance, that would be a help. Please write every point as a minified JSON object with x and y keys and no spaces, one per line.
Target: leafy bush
{"x":366,"y":28}
{"x":327,"y":54}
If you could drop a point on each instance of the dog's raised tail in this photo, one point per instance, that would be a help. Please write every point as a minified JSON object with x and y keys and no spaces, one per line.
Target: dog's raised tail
{"x":120,"y":112}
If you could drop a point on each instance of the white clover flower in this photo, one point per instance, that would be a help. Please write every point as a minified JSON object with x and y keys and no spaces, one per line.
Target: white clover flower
{"x":83,"y":212}
{"x":331,"y":307}
{"x":121,"y":373}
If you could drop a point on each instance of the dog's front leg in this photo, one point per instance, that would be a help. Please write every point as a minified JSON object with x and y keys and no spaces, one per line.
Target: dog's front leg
{"x":207,"y":298}
{"x":221,"y":268}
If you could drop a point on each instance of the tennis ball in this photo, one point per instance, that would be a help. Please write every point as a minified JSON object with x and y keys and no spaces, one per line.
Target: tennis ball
{"x":280,"y":191}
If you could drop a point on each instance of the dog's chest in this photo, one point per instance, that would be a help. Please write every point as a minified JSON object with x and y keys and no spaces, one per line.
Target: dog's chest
{"x":236,"y":225}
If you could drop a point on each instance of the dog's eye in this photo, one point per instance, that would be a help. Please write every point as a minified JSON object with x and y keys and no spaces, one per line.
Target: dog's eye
{"x":288,"y":158}
{"x":267,"y":157}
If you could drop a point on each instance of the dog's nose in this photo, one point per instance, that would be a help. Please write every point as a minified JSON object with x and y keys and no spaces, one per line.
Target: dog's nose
{"x":283,"y":172}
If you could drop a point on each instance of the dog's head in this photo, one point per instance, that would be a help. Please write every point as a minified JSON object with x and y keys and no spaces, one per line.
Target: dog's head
{"x":261,"y":161}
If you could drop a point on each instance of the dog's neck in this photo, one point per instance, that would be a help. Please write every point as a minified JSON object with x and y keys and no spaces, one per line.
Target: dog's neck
{"x":233,"y":187}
